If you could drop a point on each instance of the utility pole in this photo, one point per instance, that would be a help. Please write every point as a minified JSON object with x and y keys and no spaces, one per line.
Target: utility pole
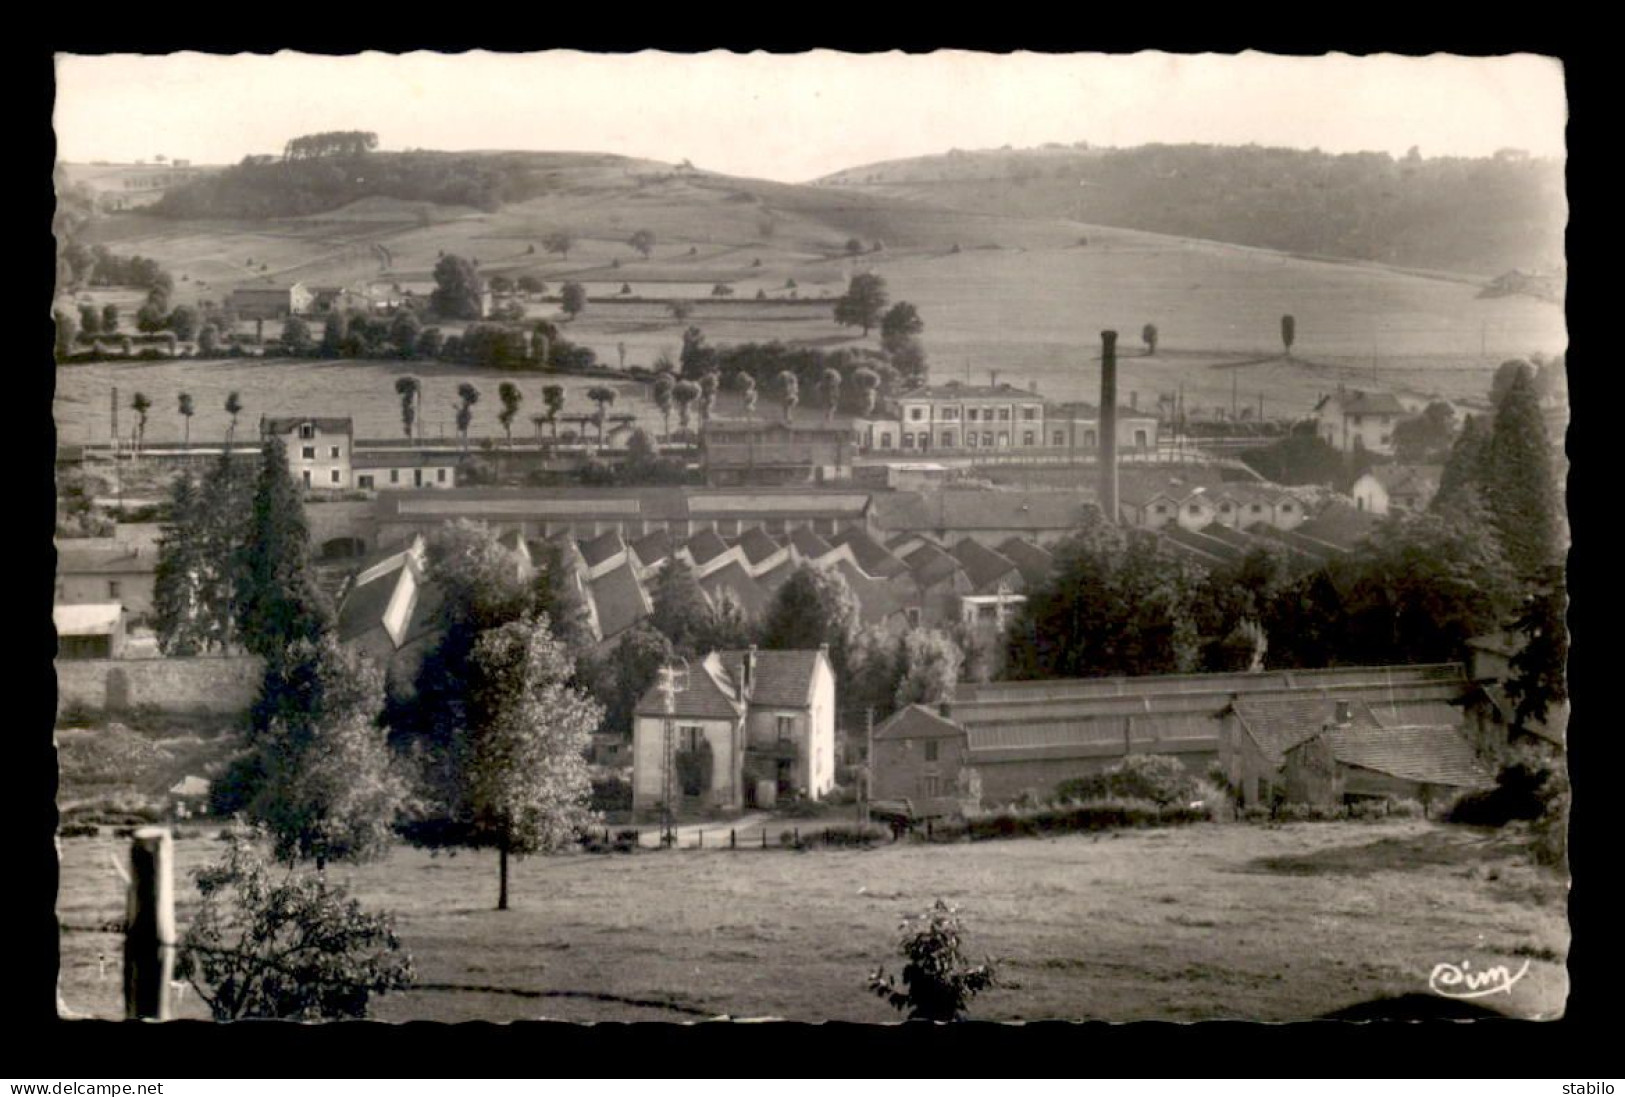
{"x":668,"y":693}
{"x":868,"y":761}
{"x":1234,"y":381}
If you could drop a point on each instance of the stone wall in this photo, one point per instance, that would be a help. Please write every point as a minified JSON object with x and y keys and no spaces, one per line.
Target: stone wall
{"x":205,"y":685}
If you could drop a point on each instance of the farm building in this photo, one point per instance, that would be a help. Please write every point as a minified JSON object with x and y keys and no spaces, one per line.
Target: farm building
{"x":89,"y":630}
{"x":1350,"y":420}
{"x":764,"y":719}
{"x":751,"y":452}
{"x":319,"y":449}
{"x":99,"y":570}
{"x":262,"y":302}
{"x":1030,"y":736}
{"x":1345,"y":762}
{"x":391,"y":470}
{"x":923,"y":757}
{"x":1405,"y":488}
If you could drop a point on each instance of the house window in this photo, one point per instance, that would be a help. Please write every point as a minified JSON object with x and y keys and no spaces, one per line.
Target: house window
{"x":308,"y":453}
{"x":1059,"y":438}
{"x":1028,"y":438}
{"x":690,"y":736}
{"x":930,"y":750}
{"x":364,"y":482}
{"x":333,"y":452}
{"x":1286,"y":508}
{"x":1139,"y":439}
{"x":970,"y":413}
{"x":787,"y":729}
{"x":307,"y":430}
{"x":1258,"y":508}
{"x":394,"y":476}
{"x":948,"y":439}
{"x":916,"y":414}
{"x":333,"y":475}
{"x":307,"y":478}
{"x":970,"y":438}
{"x":112,"y":588}
{"x":885,"y":439}
{"x":1089,"y":439}
{"x":950,"y":414}
{"x":1004,"y":438}
{"x":1004,"y":415}
{"x":1225,"y":508}
{"x":908,"y":439}
{"x":440,"y":475}
{"x":930,"y":786}
{"x":987,"y":438}
{"x":1194,"y":508}
{"x":1029,"y":414}
{"x":1161,"y":509}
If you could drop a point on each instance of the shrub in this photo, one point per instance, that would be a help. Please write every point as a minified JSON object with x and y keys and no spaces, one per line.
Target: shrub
{"x":1522,"y":791}
{"x":1405,"y":809}
{"x":1292,"y":813}
{"x":937,"y":982}
{"x":79,"y":830}
{"x":789,"y":840}
{"x":612,"y":794}
{"x":1155,"y":777}
{"x":1257,"y":813}
{"x":855,"y":834}
{"x":294,"y":946}
{"x":77,"y":714}
{"x":1368,"y":810}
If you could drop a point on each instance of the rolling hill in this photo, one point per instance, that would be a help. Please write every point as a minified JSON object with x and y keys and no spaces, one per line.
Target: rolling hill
{"x":997,"y":290}
{"x":1477,"y":216}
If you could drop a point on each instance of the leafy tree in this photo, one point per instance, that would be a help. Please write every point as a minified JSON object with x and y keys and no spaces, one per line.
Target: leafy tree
{"x":1289,"y":332}
{"x":335,"y":334}
{"x":520,"y":761}
{"x":868,"y":383}
{"x":279,"y":599}
{"x":559,"y":243}
{"x":556,"y":596}
{"x":208,"y":340}
{"x":140,"y":404}
{"x":329,"y":787}
{"x":405,"y":332}
{"x":573,"y":299}
{"x":177,"y":576}
{"x":410,"y":390}
{"x":295,"y":334}
{"x":1116,"y":604}
{"x":458,"y":289}
{"x":431,"y":343}
{"x":183,"y":321}
{"x":187,"y":410}
{"x":1425,"y":438}
{"x":829,"y":384}
{"x":151,"y":317}
{"x":67,"y":333}
{"x":929,"y":662}
{"x":1148,"y":335}
{"x":628,"y":672}
{"x":747,"y":394}
{"x":1464,"y":469}
{"x":854,"y":246}
{"x":90,"y":321}
{"x":530,"y":284}
{"x":604,"y":397}
{"x":814,"y":607}
{"x":863,"y":302}
{"x":679,"y":608}
{"x":708,"y":395}
{"x":553,"y":400}
{"x":1539,"y":679}
{"x":110,"y":319}
{"x":696,"y":358}
{"x":1302,"y":457}
{"x":508,"y":393}
{"x":467,"y":397}
{"x":1521,"y":489}
{"x":790,"y":393}
{"x":900,"y":323}
{"x":937,"y":981}
{"x":685,"y":393}
{"x":726,"y":624}
{"x":661,"y":392}
{"x":1506,"y":373}
{"x":199,"y":556}
{"x":297,"y":948}
{"x":680,"y":310}
{"x":642,"y":242}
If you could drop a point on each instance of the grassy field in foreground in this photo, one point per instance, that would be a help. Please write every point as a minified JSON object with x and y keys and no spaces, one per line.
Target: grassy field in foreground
{"x":1210,"y":922}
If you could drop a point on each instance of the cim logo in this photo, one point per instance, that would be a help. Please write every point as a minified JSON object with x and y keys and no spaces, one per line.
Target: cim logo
{"x":1460,"y":981}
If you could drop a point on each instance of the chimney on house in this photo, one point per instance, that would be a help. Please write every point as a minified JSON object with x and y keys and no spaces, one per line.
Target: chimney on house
{"x":945,"y":709}
{"x":1108,"y":425}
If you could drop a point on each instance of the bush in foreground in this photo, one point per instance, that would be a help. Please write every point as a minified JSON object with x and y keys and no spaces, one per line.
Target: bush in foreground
{"x":937,"y":982}
{"x":295,"y":948}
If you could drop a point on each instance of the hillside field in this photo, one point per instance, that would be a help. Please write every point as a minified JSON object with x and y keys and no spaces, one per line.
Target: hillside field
{"x":1022,"y":295}
{"x":1208,"y":922}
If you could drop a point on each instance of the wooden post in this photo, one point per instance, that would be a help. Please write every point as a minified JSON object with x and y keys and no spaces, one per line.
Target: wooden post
{"x":700,"y":844}
{"x":764,"y":837}
{"x":733,"y":842}
{"x":149,"y":934}
{"x":795,"y":833}
{"x":928,"y":830}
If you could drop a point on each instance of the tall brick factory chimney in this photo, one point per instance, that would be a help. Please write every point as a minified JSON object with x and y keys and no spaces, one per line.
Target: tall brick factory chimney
{"x":1108,"y":425}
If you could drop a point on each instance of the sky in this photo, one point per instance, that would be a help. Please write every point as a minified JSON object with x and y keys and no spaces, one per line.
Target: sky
{"x":796,"y":117}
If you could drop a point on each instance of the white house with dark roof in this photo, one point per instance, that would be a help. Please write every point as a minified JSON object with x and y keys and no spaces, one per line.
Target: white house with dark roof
{"x":1351,"y":419}
{"x":319,"y":449}
{"x":404,"y":470}
{"x":1407,"y":488}
{"x":765,"y":720}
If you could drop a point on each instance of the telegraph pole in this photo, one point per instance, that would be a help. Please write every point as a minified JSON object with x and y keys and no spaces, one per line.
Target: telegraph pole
{"x":668,"y":693}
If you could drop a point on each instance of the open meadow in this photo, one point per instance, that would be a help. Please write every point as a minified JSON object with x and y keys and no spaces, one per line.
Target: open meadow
{"x":1211,"y":921}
